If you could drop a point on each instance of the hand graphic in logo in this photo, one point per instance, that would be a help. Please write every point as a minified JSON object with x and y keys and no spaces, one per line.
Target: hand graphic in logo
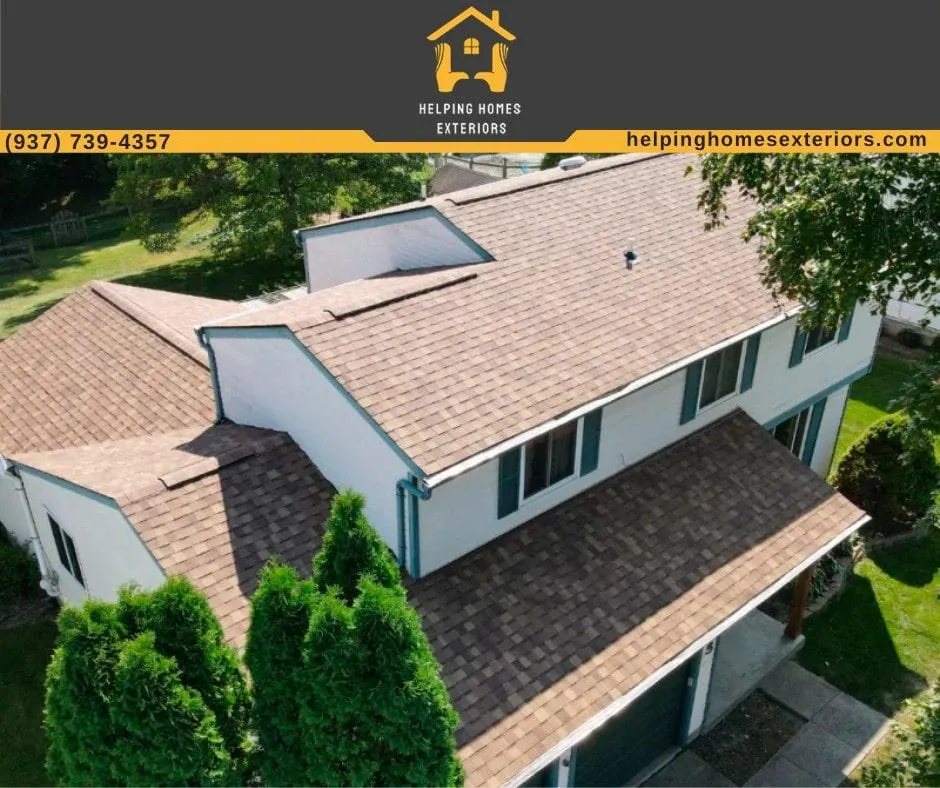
{"x":496,"y":76}
{"x":446,"y":79}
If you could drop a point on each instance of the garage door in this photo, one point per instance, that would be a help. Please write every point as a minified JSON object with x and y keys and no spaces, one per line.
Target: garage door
{"x":637,"y":736}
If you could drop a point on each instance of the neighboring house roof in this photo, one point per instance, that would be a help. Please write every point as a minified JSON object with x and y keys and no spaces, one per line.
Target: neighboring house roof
{"x":557,"y":320}
{"x":452,"y":177}
{"x":211,"y":504}
{"x":107,"y":362}
{"x":541,"y":629}
{"x":472,"y":13}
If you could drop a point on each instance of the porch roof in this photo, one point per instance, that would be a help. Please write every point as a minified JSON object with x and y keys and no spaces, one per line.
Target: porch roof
{"x":541,"y":630}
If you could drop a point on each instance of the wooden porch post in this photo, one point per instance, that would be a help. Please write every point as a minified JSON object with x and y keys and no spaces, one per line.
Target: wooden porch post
{"x":798,"y":605}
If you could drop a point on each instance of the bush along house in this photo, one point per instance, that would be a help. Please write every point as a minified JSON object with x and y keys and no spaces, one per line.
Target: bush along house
{"x":593,"y":439}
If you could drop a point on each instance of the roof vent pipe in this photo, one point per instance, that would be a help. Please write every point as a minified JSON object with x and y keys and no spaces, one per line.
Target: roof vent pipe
{"x":631,"y":257}
{"x":571,"y":163}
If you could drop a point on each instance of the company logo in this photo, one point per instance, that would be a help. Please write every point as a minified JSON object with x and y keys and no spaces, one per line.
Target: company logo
{"x":462,"y":46}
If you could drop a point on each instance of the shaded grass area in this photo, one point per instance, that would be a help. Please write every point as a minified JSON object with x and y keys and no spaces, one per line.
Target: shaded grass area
{"x":190,"y":268}
{"x":24,"y":654}
{"x":880,"y":640}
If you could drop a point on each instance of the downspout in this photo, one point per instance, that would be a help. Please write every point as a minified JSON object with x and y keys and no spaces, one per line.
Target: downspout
{"x":415,"y":493}
{"x":49,"y":580}
{"x":213,"y":374}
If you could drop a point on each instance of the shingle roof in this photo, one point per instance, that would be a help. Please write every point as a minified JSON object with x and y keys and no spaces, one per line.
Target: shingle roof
{"x":540,"y":630}
{"x":557,"y":320}
{"x":212,"y":504}
{"x":452,"y":177}
{"x":107,"y":362}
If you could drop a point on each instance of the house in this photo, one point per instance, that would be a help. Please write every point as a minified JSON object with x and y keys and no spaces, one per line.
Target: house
{"x":452,"y":177}
{"x":472,"y":46}
{"x":593,"y":439}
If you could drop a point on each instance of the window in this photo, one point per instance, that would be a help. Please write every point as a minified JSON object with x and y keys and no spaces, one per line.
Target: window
{"x":818,"y":337}
{"x":550,"y":458}
{"x":471,"y":46}
{"x":65,"y":547}
{"x":720,"y":375}
{"x":792,"y":432}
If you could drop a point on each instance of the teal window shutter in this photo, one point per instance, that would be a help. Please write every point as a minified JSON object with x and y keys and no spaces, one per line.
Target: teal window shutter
{"x":815,"y":419}
{"x":693,"y":383}
{"x":750,"y":362}
{"x":845,"y":326}
{"x":799,"y":346}
{"x":591,"y":441}
{"x":508,"y":496}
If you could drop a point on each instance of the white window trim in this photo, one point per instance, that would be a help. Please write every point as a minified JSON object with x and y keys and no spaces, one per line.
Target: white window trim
{"x":808,"y":410}
{"x":523,"y":501}
{"x":51,"y":516}
{"x":824,"y":345}
{"x":737,"y":383}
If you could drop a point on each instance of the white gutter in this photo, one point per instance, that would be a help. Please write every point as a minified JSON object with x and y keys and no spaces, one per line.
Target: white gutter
{"x":495,"y":451}
{"x":49,"y":581}
{"x":585,"y":730}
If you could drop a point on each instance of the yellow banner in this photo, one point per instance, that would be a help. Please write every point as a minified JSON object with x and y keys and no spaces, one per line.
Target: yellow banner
{"x":586,"y":141}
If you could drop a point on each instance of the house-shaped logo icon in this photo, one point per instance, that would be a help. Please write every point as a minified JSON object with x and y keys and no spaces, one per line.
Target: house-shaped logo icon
{"x":461,"y":45}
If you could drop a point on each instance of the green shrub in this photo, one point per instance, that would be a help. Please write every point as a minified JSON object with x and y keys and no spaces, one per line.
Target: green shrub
{"x":915,"y":760}
{"x":890,"y":472}
{"x":144,"y":692}
{"x":19,"y":572}
{"x":347,"y":689}
{"x":352,"y":549}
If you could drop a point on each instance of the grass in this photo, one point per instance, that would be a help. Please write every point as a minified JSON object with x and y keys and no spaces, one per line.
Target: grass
{"x":24,"y":654}
{"x":27,"y":293}
{"x":869,"y":400}
{"x":880,"y":640}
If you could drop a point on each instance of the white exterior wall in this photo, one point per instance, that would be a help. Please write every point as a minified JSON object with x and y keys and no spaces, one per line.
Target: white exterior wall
{"x":12,"y":514}
{"x":267,"y":380}
{"x":359,"y":249}
{"x":461,"y":513}
{"x":913,"y":312}
{"x":110,"y":552}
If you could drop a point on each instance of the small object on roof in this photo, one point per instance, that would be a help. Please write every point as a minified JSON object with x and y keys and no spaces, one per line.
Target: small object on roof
{"x":631,"y":257}
{"x":571,"y":163}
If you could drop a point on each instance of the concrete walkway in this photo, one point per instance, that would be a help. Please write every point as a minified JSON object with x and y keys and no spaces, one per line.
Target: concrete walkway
{"x":837,"y":734}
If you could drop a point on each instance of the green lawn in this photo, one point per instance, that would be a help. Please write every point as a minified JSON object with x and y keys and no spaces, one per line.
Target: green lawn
{"x":869,"y":398}
{"x":880,"y":641}
{"x":24,"y":653}
{"x":29,"y":292}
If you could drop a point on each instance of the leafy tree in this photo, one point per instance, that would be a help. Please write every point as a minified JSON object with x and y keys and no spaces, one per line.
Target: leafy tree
{"x":258,"y":199}
{"x":127,"y":706}
{"x":352,"y":549}
{"x":839,"y":229}
{"x":915,"y":758}
{"x":891,"y":472}
{"x":360,"y":693}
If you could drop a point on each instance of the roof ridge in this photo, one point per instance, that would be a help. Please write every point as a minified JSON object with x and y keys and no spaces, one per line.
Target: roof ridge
{"x":546,"y":178}
{"x":150,"y":321}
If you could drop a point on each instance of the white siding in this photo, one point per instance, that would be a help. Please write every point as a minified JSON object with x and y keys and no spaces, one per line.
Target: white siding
{"x":360,"y":249}
{"x":110,"y":551}
{"x":913,"y":312}
{"x":461,"y":514}
{"x":12,"y":514}
{"x":268,"y":380}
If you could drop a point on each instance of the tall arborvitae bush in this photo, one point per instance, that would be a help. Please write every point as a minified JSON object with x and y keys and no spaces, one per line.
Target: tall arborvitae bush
{"x":347,"y":688}
{"x":145,"y":692}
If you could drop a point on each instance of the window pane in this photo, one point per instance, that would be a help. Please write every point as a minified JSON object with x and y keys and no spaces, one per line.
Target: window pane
{"x":730,"y":363}
{"x":710,"y":380}
{"x":563,"y":441}
{"x":819,"y":337}
{"x":76,"y":569}
{"x":801,"y":421}
{"x":785,"y":430}
{"x":536,"y":466}
{"x":59,"y":544}
{"x":812,"y":340}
